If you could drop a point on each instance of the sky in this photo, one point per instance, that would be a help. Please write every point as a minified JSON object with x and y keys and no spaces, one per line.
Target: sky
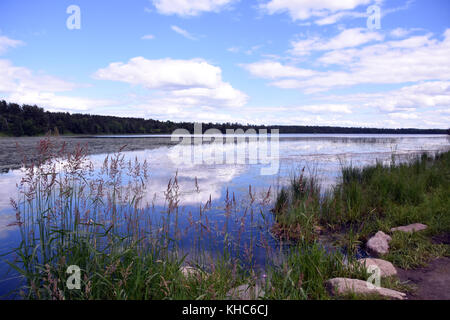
{"x":364,"y":63}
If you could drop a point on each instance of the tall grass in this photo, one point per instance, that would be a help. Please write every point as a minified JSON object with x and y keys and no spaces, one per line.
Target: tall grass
{"x":69,"y":213}
{"x":296,"y":209}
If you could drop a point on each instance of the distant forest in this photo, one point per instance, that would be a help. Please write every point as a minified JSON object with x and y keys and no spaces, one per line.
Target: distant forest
{"x":27,"y":120}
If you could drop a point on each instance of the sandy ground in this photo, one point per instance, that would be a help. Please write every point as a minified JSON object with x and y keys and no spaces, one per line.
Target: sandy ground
{"x":12,"y":150}
{"x":432,"y":281}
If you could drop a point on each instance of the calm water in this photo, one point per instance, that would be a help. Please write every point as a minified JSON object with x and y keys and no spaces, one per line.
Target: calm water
{"x":198,"y":183}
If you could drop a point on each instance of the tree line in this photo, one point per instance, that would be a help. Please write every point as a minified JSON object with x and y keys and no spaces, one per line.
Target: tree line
{"x":26,"y":120}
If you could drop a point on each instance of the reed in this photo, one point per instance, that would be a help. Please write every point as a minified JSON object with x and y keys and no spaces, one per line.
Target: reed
{"x":69,"y":213}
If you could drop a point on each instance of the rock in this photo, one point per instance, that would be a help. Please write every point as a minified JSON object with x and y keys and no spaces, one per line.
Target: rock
{"x":386,"y":268}
{"x":411,"y":228}
{"x":191,"y":272}
{"x":246,"y":292}
{"x":379,"y":243}
{"x":340,"y":286}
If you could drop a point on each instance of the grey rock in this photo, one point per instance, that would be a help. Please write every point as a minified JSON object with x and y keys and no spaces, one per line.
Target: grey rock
{"x":386,"y":268}
{"x":191,"y":272}
{"x":379,"y":243}
{"x":340,"y":286}
{"x":246,"y":292}
{"x":411,"y":228}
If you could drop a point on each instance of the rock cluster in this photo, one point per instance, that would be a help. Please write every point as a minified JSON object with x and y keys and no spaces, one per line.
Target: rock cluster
{"x":379,"y":243}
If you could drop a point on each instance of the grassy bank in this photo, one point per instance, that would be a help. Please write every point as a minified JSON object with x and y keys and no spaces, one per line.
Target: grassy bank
{"x":374,"y":198}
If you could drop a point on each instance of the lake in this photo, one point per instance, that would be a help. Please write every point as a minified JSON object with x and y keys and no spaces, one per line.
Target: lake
{"x":220,"y":202}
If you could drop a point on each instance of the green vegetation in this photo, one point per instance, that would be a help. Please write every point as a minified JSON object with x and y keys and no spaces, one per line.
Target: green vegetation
{"x":307,"y":267}
{"x":26,"y":120}
{"x":296,"y":209}
{"x":377,"y":198}
{"x":409,"y":251}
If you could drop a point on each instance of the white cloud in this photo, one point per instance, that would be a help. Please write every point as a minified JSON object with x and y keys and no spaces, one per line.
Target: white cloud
{"x":305,"y":9}
{"x":224,"y":95}
{"x":148,"y":37}
{"x":189,"y":7}
{"x":274,"y":70}
{"x":14,"y":78}
{"x":413,"y":59}
{"x":403,"y":115}
{"x":53,"y":102}
{"x":180,"y":84}
{"x":434,"y":96}
{"x":183,"y":32}
{"x":431,"y":94}
{"x":399,"y":33}
{"x":163,"y":73}
{"x":6,"y":43}
{"x":348,"y":38}
{"x":21,"y":85}
{"x":251,"y":50}
{"x":333,"y":18}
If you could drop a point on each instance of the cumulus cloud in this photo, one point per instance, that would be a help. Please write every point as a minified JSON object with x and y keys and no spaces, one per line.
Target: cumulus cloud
{"x":189,"y":7}
{"x":305,"y":9}
{"x":179,"y":84}
{"x":163,"y":73}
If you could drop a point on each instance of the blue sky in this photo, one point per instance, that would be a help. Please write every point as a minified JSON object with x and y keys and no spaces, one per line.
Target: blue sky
{"x":305,"y":62}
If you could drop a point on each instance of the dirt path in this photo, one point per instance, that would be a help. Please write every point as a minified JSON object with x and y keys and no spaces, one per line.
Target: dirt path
{"x":432,"y":282}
